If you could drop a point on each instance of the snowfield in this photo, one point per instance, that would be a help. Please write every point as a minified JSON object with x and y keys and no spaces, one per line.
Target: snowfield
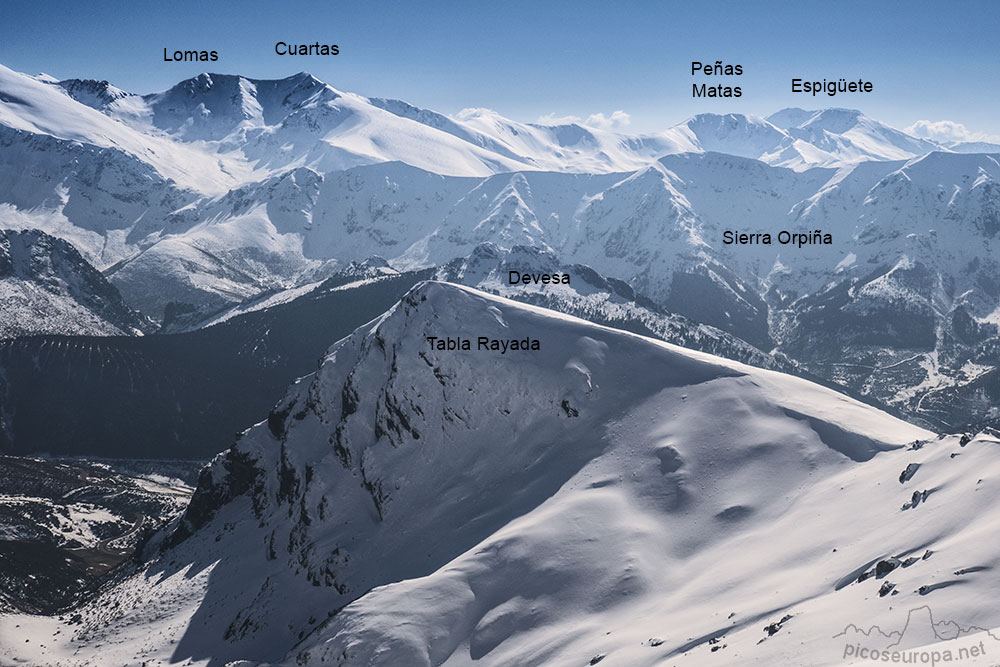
{"x":608,"y":499}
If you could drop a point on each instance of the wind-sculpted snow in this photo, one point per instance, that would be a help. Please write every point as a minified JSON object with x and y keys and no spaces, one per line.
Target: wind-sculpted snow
{"x":606,"y":494}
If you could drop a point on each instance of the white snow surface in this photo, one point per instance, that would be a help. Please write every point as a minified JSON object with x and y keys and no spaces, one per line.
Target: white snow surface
{"x":41,"y":108}
{"x":607,"y":495}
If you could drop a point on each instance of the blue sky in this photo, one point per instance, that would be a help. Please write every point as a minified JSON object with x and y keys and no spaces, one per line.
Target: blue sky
{"x":928,"y":60}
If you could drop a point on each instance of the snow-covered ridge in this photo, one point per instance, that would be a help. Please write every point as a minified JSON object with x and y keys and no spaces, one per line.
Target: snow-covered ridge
{"x":36,"y":107}
{"x":595,"y":298}
{"x":256,"y":126}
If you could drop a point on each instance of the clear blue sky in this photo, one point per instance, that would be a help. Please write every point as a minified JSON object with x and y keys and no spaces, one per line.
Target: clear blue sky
{"x":928,"y":60}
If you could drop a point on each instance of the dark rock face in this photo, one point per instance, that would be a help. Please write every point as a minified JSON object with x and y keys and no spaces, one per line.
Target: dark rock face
{"x":51,"y":556}
{"x":95,"y":94}
{"x":178,"y":395}
{"x":242,"y":475}
{"x":53,"y":282}
{"x":884,"y":567}
{"x":697,"y":296}
{"x":908,"y":473}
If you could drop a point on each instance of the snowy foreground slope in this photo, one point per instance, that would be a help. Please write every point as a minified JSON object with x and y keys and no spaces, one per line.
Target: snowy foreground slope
{"x":606,"y":498}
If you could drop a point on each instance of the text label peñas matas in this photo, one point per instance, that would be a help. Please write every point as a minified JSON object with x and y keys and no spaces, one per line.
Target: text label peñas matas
{"x":718,"y":68}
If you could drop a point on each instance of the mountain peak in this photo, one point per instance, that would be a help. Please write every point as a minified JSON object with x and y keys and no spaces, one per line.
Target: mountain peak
{"x":460,"y":413}
{"x":205,"y":81}
{"x":833,"y":119}
{"x":734,"y":133}
{"x":789,"y":117}
{"x":304,"y":77}
{"x":836,"y":120}
{"x":730,"y":118}
{"x":95,"y":94}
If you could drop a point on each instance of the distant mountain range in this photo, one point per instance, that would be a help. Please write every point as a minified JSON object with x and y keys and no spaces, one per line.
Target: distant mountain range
{"x":225,"y":189}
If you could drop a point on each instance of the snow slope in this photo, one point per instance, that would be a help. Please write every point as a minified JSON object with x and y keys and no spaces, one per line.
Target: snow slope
{"x":206,"y":193}
{"x":848,"y":136}
{"x":213,"y":131}
{"x":595,"y":298}
{"x":33,"y":107}
{"x":607,"y":495}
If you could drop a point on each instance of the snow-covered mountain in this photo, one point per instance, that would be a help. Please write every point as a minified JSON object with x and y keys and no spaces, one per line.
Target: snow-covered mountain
{"x":86,"y":396}
{"x":910,"y":311}
{"x":252,"y":126}
{"x":46,"y":287}
{"x":974,"y":147}
{"x":660,"y":230}
{"x":843,"y":136}
{"x":595,"y":298}
{"x":224,"y":188}
{"x":254,"y":210}
{"x":603,"y":497}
